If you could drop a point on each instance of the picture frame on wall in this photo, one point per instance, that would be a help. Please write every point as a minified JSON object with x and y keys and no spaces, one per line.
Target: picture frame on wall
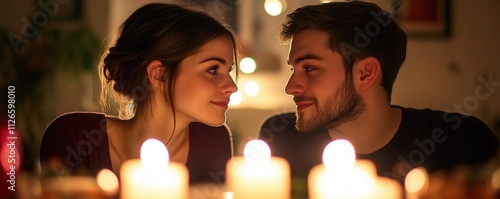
{"x":423,"y":18}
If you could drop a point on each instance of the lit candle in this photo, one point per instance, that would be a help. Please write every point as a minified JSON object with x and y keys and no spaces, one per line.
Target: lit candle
{"x":108,"y":182}
{"x":342,"y":176}
{"x":416,"y":183}
{"x":153,"y":176}
{"x":257,"y":174}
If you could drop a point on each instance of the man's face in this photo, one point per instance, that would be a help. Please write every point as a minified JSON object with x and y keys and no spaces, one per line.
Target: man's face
{"x":324,"y":96}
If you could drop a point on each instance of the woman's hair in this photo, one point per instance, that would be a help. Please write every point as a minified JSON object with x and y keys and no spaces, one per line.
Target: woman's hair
{"x":165,"y":32}
{"x":356,"y":30}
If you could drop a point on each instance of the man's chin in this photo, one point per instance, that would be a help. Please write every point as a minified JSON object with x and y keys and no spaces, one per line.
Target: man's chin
{"x":306,"y":128}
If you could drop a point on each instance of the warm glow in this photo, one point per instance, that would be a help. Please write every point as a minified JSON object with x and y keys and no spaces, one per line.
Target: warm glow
{"x":154,"y":154}
{"x":252,"y":88}
{"x":416,"y":180}
{"x":248,"y":65}
{"x":153,"y":176}
{"x":236,"y":98}
{"x":10,"y":153}
{"x":228,"y":195}
{"x":257,"y":151}
{"x":273,"y":7}
{"x":108,"y":181}
{"x":342,"y":176}
{"x":495,"y":179}
{"x":257,"y":174}
{"x":339,"y":156}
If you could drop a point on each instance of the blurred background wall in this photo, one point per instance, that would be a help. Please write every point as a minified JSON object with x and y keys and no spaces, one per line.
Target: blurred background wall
{"x":50,"y":49}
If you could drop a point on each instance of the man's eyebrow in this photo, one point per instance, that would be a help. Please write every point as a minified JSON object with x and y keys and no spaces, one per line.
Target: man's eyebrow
{"x":222,"y":61}
{"x":307,"y":56}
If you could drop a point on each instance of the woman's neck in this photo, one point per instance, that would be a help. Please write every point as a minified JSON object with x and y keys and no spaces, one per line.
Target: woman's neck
{"x":127,"y":136}
{"x":172,"y":133}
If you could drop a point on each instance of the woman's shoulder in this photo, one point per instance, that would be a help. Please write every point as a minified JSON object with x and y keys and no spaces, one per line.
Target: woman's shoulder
{"x":72,"y":141}
{"x":76,"y":121}
{"x":75,"y":116}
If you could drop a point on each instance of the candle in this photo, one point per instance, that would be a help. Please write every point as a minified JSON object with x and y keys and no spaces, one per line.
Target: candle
{"x":257,"y":174}
{"x":108,"y":182}
{"x":342,"y":176}
{"x":153,"y":176}
{"x":416,"y":183}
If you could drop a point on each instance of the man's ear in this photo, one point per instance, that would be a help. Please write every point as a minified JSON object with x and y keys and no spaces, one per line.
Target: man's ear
{"x":366,"y":72}
{"x":155,"y":72}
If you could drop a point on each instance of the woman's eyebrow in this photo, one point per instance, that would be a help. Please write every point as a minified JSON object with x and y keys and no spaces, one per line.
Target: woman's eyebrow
{"x":221,"y":60}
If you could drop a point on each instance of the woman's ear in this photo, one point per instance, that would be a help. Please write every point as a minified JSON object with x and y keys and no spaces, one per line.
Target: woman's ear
{"x":155,"y":72}
{"x":367,"y":72}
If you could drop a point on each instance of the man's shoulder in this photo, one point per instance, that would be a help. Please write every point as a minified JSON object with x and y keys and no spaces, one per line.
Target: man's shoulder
{"x":446,"y":119}
{"x":446,"y":139}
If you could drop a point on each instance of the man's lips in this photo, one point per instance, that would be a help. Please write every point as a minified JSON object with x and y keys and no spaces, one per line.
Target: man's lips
{"x":223,"y":104}
{"x":303,"y":105}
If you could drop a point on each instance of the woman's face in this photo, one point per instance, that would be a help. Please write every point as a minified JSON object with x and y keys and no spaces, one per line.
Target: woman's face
{"x":203,"y":85}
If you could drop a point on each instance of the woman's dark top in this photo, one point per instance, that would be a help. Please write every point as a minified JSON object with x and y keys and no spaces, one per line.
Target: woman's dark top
{"x":77,"y":144}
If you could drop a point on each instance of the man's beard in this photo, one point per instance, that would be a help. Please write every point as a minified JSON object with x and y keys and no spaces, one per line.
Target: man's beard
{"x":342,"y":106}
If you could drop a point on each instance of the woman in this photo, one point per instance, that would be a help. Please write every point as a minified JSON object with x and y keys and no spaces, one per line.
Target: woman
{"x":169,"y":74}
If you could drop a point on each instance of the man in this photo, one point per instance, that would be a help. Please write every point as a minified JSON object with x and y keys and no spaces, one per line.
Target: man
{"x":345,"y":57}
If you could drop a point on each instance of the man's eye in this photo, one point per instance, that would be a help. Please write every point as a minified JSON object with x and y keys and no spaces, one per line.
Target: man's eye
{"x":308,"y":69}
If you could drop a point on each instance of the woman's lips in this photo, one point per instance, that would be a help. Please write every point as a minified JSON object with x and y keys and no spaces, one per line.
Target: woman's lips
{"x":223,"y":104}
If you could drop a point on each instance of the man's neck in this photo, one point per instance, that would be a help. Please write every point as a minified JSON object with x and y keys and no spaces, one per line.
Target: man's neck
{"x":372,"y":130}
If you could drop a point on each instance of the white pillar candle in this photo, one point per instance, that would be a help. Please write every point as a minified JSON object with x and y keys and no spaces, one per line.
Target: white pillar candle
{"x":153,"y":176}
{"x":257,"y":175}
{"x":342,"y":176}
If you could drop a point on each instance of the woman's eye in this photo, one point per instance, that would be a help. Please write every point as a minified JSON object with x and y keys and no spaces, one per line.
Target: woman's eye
{"x":231,"y":68}
{"x":213,"y":71}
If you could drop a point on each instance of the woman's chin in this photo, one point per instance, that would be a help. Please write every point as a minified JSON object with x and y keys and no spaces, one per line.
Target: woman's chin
{"x":216,"y":123}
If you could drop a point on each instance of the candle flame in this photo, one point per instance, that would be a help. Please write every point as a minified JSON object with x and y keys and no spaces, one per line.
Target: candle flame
{"x":339,"y":156}
{"x":108,"y":181}
{"x":257,"y":151}
{"x":228,"y":195}
{"x":416,"y":180}
{"x":154,"y":154}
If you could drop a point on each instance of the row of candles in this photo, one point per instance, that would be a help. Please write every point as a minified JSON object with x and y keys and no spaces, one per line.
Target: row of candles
{"x":257,"y":174}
